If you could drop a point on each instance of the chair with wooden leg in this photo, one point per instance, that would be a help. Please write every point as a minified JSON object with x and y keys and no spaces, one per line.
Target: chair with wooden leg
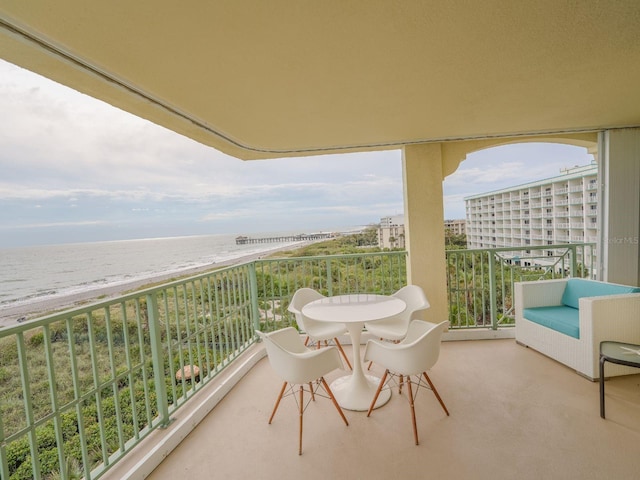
{"x":409,"y":361}
{"x":301,"y":368}
{"x":395,"y":328}
{"x":317,"y":332}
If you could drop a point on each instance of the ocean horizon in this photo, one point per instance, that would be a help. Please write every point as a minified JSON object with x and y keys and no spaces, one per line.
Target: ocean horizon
{"x":39,"y":273}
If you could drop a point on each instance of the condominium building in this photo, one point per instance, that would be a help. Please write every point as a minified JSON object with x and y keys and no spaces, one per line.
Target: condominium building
{"x":557,"y":210}
{"x":456,"y":227}
{"x":391,"y":232}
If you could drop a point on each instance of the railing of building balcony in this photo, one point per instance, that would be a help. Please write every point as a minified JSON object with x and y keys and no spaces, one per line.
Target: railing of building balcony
{"x":480,"y":282}
{"x":79,"y":389}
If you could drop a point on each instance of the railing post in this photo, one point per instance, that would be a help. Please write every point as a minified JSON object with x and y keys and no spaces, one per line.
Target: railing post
{"x":574,"y":261}
{"x":157,"y":359}
{"x":493,"y":290}
{"x":329,"y":278}
{"x":253,"y":291}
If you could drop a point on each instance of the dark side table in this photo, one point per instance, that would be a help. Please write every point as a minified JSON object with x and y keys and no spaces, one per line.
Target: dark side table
{"x":619,"y":353}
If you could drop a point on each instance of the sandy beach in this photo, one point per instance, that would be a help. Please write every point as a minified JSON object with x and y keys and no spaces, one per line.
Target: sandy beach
{"x":10,"y":315}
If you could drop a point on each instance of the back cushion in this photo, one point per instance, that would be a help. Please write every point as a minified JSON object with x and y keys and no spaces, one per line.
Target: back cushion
{"x":579,"y":287}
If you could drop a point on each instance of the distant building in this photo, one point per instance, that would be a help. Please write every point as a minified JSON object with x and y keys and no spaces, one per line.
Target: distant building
{"x":561,"y":209}
{"x":391,"y":230}
{"x":456,"y":227}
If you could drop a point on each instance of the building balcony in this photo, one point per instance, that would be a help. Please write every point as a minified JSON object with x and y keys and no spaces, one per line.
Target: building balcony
{"x":131,"y":370}
{"x":524,"y":405}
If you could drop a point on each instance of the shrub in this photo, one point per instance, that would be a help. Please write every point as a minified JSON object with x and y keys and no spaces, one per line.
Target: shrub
{"x":36,"y":339}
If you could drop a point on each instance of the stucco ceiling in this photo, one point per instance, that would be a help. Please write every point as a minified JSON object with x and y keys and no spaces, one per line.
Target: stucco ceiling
{"x":261,"y":79}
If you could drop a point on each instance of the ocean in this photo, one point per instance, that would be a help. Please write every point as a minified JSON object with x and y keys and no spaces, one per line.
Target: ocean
{"x":37,"y":273}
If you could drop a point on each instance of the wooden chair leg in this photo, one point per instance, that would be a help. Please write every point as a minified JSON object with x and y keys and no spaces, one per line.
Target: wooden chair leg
{"x":333,"y":399}
{"x":301,"y":415}
{"x":313,"y":397}
{"x":344,"y":355}
{"x":284,"y":385}
{"x":433,"y":388}
{"x":400,"y":383}
{"x":371,"y":362}
{"x":375,"y":397}
{"x":413,"y":410}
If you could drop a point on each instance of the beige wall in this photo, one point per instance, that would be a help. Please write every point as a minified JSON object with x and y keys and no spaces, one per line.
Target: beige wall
{"x":425,"y":167}
{"x":424,"y":234}
{"x":619,"y":190}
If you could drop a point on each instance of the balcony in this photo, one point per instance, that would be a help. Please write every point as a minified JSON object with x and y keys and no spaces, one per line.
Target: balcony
{"x":510,"y":407}
{"x":219,"y":312}
{"x":96,"y":385}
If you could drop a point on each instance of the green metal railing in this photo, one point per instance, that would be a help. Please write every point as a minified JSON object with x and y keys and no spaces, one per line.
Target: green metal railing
{"x":79,"y":389}
{"x":480,"y":282}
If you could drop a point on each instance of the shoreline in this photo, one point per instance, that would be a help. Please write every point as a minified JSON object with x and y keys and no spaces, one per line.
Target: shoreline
{"x":9,"y":316}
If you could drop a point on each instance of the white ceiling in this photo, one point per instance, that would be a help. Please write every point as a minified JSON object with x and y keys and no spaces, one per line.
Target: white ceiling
{"x":262,"y":79}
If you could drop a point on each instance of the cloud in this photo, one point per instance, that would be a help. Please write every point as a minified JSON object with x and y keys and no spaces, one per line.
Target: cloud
{"x":52,"y":224}
{"x":505,"y":167}
{"x":76,"y":168}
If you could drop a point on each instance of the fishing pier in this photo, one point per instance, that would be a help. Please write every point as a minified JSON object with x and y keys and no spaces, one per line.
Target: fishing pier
{"x":303,"y":237}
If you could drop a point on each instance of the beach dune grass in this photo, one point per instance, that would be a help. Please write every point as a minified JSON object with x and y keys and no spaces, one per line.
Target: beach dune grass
{"x":100,"y":361}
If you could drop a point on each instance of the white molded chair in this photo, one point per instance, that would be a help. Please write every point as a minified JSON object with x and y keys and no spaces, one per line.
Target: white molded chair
{"x":300,"y":366}
{"x":316,"y":331}
{"x":395,"y":328}
{"x":411,"y":358}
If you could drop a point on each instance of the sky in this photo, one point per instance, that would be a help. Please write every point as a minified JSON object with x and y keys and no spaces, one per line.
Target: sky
{"x":75,"y":169}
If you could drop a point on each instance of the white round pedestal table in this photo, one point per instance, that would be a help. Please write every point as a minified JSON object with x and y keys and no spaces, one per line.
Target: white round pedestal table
{"x":355,"y":391}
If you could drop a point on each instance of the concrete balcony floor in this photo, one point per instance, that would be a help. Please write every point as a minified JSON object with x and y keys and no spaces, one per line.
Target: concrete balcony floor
{"x":514,"y":414}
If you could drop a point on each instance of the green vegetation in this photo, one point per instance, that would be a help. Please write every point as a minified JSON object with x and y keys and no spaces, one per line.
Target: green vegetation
{"x":365,"y":241}
{"x":453,"y":241}
{"x":103,"y":376}
{"x":100,"y":364}
{"x":90,"y":379}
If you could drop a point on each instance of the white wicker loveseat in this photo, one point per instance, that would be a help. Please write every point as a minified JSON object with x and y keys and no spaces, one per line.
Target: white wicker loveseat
{"x":566,"y":319}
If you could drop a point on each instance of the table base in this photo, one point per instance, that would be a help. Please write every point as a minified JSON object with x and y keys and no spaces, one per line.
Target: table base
{"x":353,"y":393}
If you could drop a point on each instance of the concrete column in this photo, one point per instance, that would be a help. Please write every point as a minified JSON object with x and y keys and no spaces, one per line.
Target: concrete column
{"x":424,"y":225}
{"x":619,"y":202}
